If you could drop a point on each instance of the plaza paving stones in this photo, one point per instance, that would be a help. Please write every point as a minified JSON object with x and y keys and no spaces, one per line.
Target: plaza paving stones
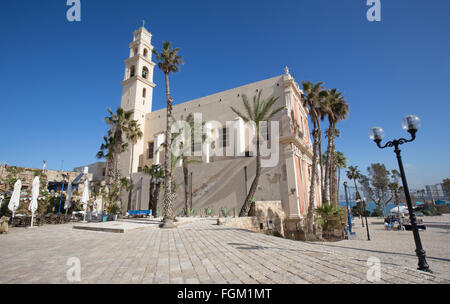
{"x":197,"y":251}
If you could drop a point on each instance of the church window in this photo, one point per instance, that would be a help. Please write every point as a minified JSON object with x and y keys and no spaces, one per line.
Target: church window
{"x":132,"y":71}
{"x":223,"y":135}
{"x":144,"y":92}
{"x":145,"y":52}
{"x":150,"y":150}
{"x":145,"y":72}
{"x":196,"y":146}
{"x":135,"y":51}
{"x":264,"y":130}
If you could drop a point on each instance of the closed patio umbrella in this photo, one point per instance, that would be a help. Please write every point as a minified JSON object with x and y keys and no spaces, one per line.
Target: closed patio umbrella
{"x":85,"y":197}
{"x":68,"y":197}
{"x":34,"y":198}
{"x":15,"y":197}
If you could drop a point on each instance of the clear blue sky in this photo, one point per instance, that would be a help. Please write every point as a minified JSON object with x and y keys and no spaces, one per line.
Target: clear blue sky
{"x":57,"y":78}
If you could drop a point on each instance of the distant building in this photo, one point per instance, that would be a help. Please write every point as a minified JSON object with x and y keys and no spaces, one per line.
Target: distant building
{"x":98,"y":171}
{"x":435,"y":192}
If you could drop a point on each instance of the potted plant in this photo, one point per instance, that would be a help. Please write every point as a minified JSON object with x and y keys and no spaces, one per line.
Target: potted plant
{"x":113,"y":210}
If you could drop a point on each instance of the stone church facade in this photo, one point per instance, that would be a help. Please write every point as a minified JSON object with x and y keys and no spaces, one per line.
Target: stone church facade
{"x":221,"y":181}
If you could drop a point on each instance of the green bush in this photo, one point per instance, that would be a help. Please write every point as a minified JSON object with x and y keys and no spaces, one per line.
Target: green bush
{"x":430,"y":210}
{"x":378,"y":211}
{"x":356,"y":211}
{"x":4,"y":211}
{"x":113,"y":209}
{"x":443,"y":209}
{"x":278,"y":234}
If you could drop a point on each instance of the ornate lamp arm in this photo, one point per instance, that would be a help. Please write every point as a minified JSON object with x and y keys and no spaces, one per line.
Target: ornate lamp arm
{"x":396,"y":142}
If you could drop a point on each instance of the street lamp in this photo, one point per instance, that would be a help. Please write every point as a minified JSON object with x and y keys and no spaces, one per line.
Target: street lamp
{"x":410,"y":123}
{"x":362,"y":201}
{"x":350,"y":232}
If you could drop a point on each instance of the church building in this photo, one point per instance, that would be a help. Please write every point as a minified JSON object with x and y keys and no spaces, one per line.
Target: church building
{"x":221,"y":180}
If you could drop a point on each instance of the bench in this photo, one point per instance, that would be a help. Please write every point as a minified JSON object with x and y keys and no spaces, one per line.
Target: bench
{"x":140,"y":212}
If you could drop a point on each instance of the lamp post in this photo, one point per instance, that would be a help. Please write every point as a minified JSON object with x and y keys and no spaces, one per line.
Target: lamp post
{"x":362,"y":201}
{"x":410,"y":123}
{"x":348,"y":211}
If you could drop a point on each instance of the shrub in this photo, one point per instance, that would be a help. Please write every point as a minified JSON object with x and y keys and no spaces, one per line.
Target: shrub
{"x":356,"y":212}
{"x":430,"y":210}
{"x":113,"y":209}
{"x":278,"y":234}
{"x":378,"y":211}
{"x":443,"y":209}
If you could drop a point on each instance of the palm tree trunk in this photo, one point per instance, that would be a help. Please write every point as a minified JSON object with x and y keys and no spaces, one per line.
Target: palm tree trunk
{"x":155,"y":199}
{"x":316,"y":152}
{"x":186,"y":190}
{"x":313,"y":179}
{"x":248,"y":200}
{"x":322,"y":180}
{"x":339,"y":182}
{"x":332,"y":168}
{"x":168,"y":197}
{"x":131,"y":177}
{"x":326,"y":178}
{"x":150,"y":195}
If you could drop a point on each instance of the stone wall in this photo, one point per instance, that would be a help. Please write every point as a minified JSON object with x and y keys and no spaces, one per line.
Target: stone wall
{"x":26,"y":175}
{"x":269,"y":218}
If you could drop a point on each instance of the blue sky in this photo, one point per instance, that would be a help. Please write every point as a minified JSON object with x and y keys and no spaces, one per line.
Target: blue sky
{"x":57,"y":78}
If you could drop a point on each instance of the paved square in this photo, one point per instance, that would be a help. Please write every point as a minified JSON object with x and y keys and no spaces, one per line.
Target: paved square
{"x":197,"y":251}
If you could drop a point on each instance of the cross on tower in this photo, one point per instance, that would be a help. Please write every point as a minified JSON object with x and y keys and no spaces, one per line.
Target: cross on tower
{"x":143,"y":23}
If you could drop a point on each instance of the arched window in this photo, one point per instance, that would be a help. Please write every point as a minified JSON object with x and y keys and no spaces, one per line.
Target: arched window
{"x":132,"y":71}
{"x":145,"y":72}
{"x":144,"y":92}
{"x":145,"y":52}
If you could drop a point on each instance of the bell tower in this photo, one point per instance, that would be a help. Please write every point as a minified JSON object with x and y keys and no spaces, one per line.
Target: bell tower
{"x":137,"y":90}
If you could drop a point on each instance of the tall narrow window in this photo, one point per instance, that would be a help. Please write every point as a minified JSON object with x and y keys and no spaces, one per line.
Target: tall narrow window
{"x":223,"y":133}
{"x":195,"y":146}
{"x":145,"y":72}
{"x":151,"y":146}
{"x":144,"y":92}
{"x":132,"y":71}
{"x":264,"y":130}
{"x":145,"y":52}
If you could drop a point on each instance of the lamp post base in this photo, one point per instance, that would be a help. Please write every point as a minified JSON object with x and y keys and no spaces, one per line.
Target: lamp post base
{"x":423,"y":265}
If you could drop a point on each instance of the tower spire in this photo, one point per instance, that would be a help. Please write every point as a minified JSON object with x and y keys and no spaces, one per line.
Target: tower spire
{"x":143,"y":23}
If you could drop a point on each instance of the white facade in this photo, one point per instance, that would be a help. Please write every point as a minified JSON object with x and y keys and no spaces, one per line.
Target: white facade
{"x":219,"y":181}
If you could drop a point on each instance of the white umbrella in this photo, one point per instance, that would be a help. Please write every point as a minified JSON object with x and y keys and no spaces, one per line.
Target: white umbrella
{"x":15,"y":197}
{"x":34,"y":197}
{"x":85,"y":196}
{"x":400,"y":209}
{"x":68,"y":197}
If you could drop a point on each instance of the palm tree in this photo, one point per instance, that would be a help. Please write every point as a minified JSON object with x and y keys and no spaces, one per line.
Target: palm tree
{"x":106,"y":152}
{"x":261,"y":112}
{"x":118,"y":124}
{"x":341,"y":162}
{"x":133,"y":134}
{"x":354,"y":174}
{"x":168,"y":62}
{"x":312,"y":98}
{"x":336,"y":109}
{"x":156,"y":177}
{"x":185,"y":157}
